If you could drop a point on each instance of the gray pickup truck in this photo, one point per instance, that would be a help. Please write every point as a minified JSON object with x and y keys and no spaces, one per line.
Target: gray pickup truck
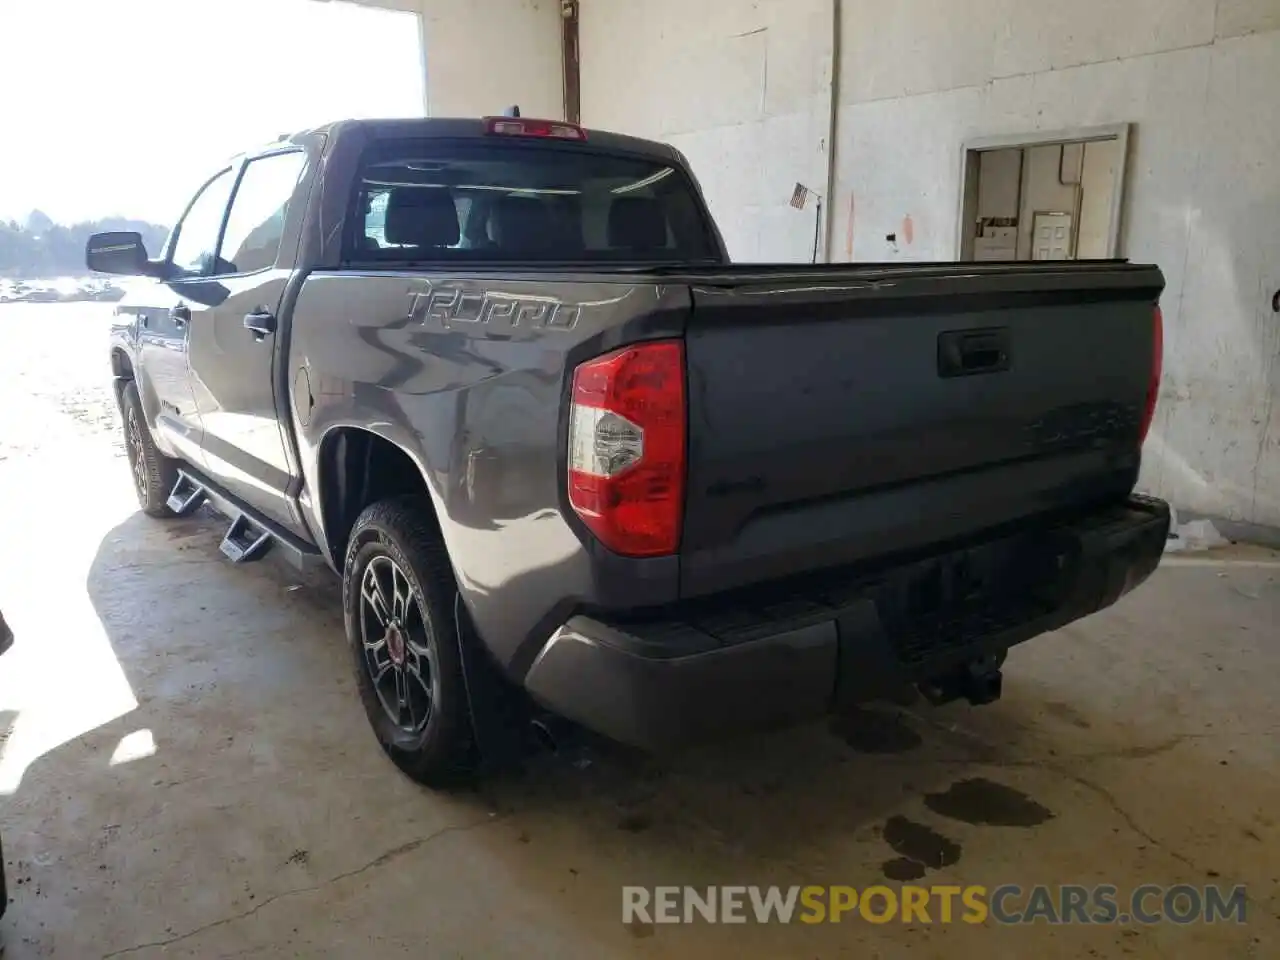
{"x":501,"y":376}
{"x":6,"y":641}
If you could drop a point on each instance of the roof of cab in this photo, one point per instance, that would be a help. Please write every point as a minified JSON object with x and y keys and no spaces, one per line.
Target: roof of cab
{"x":457,"y":128}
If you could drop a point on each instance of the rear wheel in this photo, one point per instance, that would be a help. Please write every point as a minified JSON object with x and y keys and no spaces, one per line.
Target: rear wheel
{"x":398,"y":596}
{"x":154,"y":474}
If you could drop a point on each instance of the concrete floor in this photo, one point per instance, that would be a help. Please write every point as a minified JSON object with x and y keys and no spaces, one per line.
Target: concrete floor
{"x":185,"y":770}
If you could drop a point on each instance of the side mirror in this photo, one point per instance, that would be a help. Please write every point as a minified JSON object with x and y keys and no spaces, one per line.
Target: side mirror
{"x":120,"y":252}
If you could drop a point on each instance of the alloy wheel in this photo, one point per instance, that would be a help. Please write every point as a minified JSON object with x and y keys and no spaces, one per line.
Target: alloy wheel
{"x":399,"y":649}
{"x":137,"y":460}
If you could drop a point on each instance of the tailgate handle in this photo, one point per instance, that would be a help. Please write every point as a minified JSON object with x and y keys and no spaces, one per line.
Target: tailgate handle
{"x":962,"y":353}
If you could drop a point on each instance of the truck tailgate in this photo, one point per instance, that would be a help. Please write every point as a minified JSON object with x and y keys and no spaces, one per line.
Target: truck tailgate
{"x":837,"y":416}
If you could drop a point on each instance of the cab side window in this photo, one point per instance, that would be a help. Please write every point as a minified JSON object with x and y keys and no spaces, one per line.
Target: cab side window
{"x":195,"y":251}
{"x":255,"y":226}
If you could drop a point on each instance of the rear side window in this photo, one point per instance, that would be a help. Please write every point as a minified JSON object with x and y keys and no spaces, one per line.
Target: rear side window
{"x":255,"y":225}
{"x":493,"y":202}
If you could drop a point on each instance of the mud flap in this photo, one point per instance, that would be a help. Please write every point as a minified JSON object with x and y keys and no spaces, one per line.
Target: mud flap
{"x":500,"y":714}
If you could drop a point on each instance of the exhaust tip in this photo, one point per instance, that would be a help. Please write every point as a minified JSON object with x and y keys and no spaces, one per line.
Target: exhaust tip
{"x":543,"y":736}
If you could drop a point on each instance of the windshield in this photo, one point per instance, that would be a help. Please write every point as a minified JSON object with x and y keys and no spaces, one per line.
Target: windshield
{"x":493,"y":202}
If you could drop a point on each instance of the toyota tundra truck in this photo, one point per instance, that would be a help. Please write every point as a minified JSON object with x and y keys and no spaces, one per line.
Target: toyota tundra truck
{"x":501,"y":376}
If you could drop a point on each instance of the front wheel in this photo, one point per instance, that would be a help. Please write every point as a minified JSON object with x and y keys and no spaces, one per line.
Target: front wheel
{"x":154,"y":474}
{"x":398,"y":595}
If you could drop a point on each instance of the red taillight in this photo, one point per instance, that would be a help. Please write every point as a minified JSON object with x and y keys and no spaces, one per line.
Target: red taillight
{"x":520,"y":127}
{"x":626,"y":447}
{"x":1157,"y":367}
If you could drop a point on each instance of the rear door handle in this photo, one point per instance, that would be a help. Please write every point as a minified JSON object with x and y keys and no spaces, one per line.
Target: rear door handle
{"x":180,"y":315}
{"x":261,"y":322}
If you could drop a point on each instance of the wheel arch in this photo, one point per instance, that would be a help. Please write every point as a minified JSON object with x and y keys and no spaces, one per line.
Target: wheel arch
{"x":121,"y":370}
{"x":358,"y":466}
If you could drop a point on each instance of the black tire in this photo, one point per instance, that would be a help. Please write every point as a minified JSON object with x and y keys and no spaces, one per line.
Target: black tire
{"x":435,"y":747}
{"x":154,"y":474}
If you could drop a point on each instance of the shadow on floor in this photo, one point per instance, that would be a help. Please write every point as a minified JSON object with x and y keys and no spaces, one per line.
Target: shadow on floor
{"x":265,"y":782}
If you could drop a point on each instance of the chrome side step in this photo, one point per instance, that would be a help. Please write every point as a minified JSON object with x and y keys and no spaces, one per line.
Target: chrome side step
{"x":250,"y":535}
{"x":186,"y":497}
{"x":245,"y":541}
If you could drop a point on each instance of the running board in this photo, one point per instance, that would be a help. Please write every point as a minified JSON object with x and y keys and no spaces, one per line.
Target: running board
{"x":250,"y":535}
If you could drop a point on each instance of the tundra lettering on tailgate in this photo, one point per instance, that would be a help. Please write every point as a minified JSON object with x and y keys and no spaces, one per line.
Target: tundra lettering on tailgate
{"x":452,"y":308}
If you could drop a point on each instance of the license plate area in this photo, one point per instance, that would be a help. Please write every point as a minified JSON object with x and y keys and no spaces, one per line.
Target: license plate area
{"x":961,"y":597}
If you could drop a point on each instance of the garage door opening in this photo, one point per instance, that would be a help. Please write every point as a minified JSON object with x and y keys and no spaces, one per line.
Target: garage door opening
{"x":1044,"y":197}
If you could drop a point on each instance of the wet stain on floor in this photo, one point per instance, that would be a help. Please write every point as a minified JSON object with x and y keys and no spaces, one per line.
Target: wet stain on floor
{"x":639,"y":929}
{"x":903,"y":869}
{"x":869,"y":731}
{"x":916,"y":842}
{"x":986,"y":803}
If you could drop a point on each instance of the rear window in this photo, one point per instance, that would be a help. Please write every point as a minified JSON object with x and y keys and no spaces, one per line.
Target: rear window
{"x":491,"y":202}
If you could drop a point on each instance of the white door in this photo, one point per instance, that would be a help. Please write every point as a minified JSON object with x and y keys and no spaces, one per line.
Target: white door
{"x":1051,"y":238}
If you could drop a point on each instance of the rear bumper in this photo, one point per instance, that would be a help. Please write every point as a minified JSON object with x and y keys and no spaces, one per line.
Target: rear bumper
{"x":787,"y":653}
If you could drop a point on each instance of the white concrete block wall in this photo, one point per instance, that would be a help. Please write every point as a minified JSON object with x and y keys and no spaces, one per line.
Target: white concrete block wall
{"x":739,"y":86}
{"x":742,"y":87}
{"x":483,"y":56}
{"x":1219,"y":430}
